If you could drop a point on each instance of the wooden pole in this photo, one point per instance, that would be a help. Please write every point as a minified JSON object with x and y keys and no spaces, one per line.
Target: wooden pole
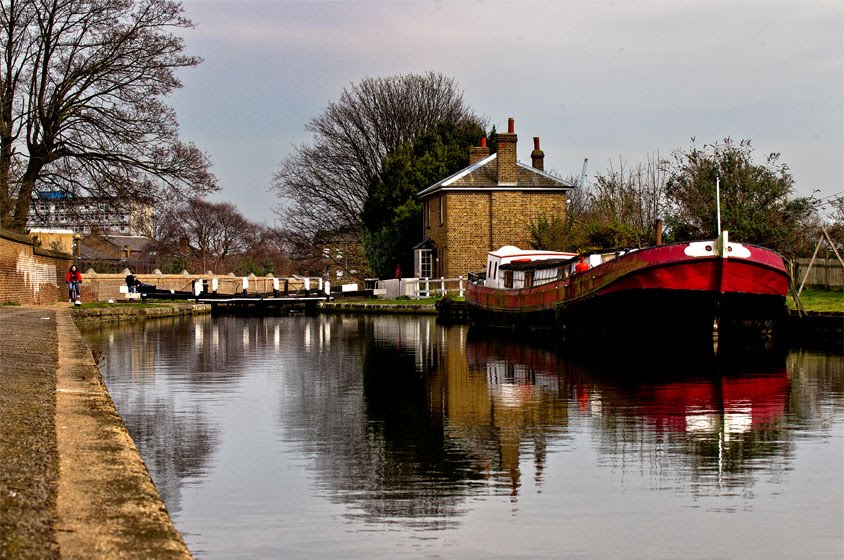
{"x":831,"y":244}
{"x":808,"y":268}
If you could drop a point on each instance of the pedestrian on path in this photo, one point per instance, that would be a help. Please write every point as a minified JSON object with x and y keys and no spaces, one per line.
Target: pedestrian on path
{"x":73,"y":279}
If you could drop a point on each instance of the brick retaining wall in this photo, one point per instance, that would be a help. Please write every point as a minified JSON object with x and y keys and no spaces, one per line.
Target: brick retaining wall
{"x":31,"y":275}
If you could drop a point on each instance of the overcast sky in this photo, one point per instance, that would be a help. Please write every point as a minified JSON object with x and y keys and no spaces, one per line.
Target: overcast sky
{"x":607,"y":81}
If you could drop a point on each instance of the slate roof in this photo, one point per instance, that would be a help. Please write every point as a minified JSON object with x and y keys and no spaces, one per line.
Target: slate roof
{"x":89,"y":253}
{"x":136,"y":243}
{"x":483,"y":175}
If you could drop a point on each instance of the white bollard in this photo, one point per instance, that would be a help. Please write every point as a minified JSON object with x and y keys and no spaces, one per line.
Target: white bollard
{"x":460,"y":284}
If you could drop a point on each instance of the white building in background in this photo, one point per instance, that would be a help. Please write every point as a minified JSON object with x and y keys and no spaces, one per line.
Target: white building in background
{"x":86,"y":215}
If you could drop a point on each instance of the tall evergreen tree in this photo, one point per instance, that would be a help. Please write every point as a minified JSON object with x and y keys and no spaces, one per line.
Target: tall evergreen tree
{"x":392,"y":217}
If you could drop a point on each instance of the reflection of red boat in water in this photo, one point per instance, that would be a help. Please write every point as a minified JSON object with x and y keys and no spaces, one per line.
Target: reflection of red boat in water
{"x":679,"y":288}
{"x":705,"y":401}
{"x":731,"y":405}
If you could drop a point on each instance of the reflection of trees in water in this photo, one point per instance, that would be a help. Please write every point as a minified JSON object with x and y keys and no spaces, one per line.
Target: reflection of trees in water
{"x":402,"y":429}
{"x":422,"y":473}
{"x":360,"y":411}
{"x":176,"y":440}
{"x":402,"y":419}
{"x":817,"y":382}
{"x":175,"y":445}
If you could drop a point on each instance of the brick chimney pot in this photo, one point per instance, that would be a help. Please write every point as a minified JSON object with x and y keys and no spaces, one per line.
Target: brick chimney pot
{"x":507,"y":155}
{"x":537,"y":156}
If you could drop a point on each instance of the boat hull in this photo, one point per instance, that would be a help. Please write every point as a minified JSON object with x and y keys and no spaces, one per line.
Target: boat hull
{"x":651,"y":292}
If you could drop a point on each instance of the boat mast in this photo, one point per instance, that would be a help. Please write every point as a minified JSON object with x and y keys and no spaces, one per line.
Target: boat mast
{"x":718,"y":202}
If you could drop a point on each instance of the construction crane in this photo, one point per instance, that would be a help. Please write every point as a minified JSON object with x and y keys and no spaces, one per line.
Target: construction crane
{"x":583,"y":173}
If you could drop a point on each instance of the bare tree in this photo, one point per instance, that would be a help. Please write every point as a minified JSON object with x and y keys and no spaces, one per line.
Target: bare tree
{"x":323,"y":185}
{"x":82,"y":85}
{"x":619,"y":208}
{"x":208,"y":234}
{"x":626,"y":202}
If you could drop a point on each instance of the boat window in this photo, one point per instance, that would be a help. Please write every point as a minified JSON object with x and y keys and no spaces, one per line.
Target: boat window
{"x":528,"y":279}
{"x":495,"y":271}
{"x":508,"y":278}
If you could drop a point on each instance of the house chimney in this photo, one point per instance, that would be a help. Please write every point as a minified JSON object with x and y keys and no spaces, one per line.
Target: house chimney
{"x":477,"y":153}
{"x":507,"y":155}
{"x":537,"y":155}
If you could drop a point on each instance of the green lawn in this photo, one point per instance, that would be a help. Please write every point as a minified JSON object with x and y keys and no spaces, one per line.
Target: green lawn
{"x":820,"y":300}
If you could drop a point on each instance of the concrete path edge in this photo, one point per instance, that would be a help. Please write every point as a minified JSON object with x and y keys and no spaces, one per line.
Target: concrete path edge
{"x":107,"y":504}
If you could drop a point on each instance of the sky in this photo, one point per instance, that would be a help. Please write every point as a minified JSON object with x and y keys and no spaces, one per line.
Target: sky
{"x":611,"y":81}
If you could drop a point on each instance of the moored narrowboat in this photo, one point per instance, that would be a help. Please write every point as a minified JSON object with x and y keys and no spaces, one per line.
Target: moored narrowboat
{"x":682,"y":289}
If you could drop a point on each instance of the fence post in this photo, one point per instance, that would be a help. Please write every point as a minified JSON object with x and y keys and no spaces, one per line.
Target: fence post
{"x":442,"y":285}
{"x":826,"y":271}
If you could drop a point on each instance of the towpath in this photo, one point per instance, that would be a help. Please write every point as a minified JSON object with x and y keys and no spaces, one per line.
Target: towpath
{"x":72,"y":484}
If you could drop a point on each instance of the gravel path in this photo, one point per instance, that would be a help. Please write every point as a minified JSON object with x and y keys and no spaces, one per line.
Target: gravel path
{"x":28,"y":456}
{"x":72,"y":484}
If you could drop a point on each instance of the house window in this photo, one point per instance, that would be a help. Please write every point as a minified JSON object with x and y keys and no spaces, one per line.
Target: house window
{"x":423,"y":263}
{"x":441,"y":210}
{"x":427,"y":213}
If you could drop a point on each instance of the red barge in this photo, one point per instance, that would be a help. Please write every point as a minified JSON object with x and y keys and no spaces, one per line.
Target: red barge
{"x":684,"y":289}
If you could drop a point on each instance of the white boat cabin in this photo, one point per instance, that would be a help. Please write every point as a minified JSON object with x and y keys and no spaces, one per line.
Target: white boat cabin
{"x":513,"y":268}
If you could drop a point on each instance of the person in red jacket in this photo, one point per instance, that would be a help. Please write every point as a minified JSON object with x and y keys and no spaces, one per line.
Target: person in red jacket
{"x":581,"y":266}
{"x":73,"y":279}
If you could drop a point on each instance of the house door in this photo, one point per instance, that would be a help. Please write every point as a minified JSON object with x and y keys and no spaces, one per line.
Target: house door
{"x":423,"y":263}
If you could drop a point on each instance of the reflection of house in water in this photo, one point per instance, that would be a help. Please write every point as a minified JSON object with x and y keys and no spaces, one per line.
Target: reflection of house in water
{"x":497,"y":405}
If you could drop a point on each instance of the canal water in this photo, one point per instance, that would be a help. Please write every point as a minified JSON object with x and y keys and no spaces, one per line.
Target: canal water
{"x":394,"y":437}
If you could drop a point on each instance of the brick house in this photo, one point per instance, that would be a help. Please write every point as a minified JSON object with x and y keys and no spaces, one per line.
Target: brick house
{"x":485,"y":206}
{"x":113,"y":253}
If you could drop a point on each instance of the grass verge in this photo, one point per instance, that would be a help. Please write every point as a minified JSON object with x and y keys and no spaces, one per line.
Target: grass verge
{"x":814,"y":299}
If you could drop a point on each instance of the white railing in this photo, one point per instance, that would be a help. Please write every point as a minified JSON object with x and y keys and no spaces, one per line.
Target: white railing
{"x":433,"y":287}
